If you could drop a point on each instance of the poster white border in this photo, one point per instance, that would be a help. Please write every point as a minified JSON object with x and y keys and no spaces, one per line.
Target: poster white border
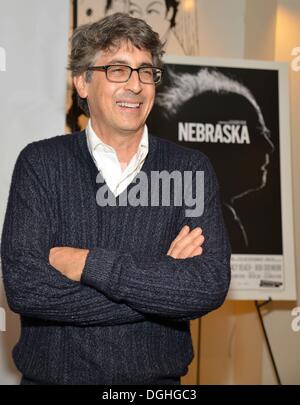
{"x":289,"y":290}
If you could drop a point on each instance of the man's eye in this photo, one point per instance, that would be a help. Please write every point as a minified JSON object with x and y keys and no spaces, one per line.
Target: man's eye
{"x":147,"y":72}
{"x":118,"y":70}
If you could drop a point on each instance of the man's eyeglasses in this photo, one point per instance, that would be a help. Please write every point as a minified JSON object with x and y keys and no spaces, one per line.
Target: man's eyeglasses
{"x":122,"y":73}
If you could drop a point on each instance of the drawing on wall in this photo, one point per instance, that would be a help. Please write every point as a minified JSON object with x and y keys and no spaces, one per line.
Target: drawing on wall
{"x":161,"y":15}
{"x":174,"y":20}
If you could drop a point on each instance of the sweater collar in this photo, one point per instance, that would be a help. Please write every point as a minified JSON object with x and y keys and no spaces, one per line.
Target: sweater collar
{"x":85,"y":153}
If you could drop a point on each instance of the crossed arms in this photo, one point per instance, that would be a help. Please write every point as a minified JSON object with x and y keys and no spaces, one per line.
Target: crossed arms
{"x":106,"y":287}
{"x":71,"y":261}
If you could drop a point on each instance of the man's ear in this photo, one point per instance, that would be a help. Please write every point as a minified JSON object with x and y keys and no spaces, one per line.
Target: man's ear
{"x":81,"y":85}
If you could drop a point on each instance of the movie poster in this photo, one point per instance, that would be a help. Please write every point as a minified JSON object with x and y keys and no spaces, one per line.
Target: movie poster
{"x":236,"y":113}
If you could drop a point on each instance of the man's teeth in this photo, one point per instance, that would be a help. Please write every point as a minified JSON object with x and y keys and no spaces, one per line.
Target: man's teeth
{"x":129,"y":105}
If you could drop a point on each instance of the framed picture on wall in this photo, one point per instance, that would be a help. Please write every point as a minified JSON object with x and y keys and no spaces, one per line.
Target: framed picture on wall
{"x":237,"y":113}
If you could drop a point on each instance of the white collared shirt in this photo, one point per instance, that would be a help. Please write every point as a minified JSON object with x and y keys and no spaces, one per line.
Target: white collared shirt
{"x":108,"y":164}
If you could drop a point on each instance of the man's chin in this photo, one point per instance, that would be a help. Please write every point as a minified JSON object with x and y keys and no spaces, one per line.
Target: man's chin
{"x":130,"y":131}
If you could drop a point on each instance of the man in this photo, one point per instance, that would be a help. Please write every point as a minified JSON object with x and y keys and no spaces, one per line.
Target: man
{"x":105,"y":293}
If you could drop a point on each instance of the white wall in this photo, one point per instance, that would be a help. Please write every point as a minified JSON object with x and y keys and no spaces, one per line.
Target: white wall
{"x":286,"y":342}
{"x":221,"y":28}
{"x":233,"y":350}
{"x":34,"y":35}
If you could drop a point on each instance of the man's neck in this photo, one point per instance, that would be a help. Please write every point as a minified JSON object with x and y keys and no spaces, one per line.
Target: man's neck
{"x":126,"y":145}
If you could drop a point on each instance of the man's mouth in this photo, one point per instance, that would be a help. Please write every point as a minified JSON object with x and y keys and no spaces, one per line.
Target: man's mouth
{"x":125,"y":104}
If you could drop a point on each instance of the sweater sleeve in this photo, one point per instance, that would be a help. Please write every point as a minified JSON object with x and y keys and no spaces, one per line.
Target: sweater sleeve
{"x":33,"y":287}
{"x":171,"y":288}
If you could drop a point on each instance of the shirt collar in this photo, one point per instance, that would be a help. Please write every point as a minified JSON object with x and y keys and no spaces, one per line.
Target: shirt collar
{"x":94,"y":142}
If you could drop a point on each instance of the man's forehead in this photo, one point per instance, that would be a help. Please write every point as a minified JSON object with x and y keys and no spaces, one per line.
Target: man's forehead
{"x":125,"y":48}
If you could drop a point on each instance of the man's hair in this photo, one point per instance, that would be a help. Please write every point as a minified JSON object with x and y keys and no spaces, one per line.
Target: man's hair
{"x":108,"y":33}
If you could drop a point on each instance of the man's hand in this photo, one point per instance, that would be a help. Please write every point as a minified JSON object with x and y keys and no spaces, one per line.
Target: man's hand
{"x":68,"y":261}
{"x":71,"y":261}
{"x":187,"y":244}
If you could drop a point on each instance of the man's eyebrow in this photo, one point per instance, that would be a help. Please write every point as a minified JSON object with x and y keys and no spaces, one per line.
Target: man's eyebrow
{"x":125,"y":62}
{"x":146,"y":64}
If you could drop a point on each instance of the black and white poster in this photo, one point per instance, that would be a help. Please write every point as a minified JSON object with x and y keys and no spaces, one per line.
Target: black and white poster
{"x":236,"y":112}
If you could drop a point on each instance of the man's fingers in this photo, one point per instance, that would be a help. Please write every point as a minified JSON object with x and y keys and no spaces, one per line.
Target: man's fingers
{"x":193,"y":252}
{"x":184,"y":232}
{"x":197,"y":252}
{"x":195,"y":236}
{"x":185,"y":246}
{"x":188,"y":250}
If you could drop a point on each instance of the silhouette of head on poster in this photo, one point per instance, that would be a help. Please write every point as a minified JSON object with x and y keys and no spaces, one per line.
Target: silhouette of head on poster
{"x":220,"y":116}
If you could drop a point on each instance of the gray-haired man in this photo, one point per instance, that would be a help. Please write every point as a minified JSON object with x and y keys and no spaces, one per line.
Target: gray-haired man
{"x":105,"y":293}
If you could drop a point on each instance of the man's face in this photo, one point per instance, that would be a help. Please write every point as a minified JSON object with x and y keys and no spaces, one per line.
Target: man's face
{"x":154,"y":12}
{"x":106,"y":99}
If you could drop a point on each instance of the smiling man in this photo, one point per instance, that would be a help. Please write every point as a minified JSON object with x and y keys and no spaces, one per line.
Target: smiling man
{"x":120,"y":98}
{"x":105,"y":293}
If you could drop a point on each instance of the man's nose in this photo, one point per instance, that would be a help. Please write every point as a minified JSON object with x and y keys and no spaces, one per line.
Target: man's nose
{"x":134,"y":83}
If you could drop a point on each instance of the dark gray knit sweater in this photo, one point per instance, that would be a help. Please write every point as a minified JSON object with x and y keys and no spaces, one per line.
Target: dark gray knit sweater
{"x":126,"y":322}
